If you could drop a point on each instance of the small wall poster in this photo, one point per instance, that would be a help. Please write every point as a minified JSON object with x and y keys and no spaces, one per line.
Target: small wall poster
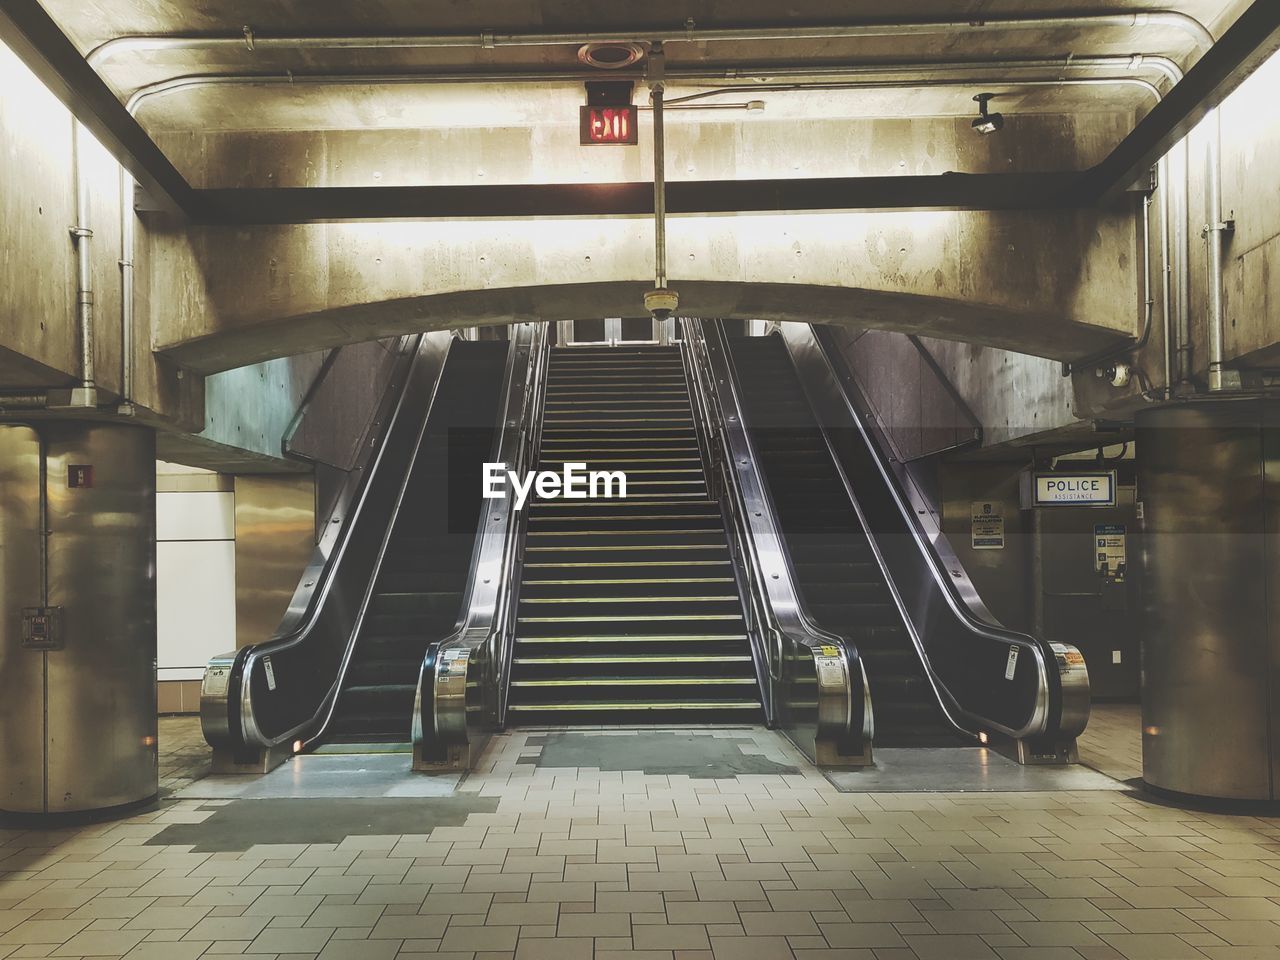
{"x":987,"y":529}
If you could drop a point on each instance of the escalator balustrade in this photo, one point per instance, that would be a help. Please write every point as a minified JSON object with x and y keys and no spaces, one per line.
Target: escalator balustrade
{"x":836,"y":569}
{"x":418,"y":593}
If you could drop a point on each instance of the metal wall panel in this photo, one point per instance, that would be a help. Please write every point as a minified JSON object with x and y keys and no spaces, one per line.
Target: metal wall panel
{"x":101,"y":570}
{"x":1080,"y":606}
{"x":275,"y":537}
{"x":1002,"y":577}
{"x":1208,"y":668}
{"x":21,"y":585}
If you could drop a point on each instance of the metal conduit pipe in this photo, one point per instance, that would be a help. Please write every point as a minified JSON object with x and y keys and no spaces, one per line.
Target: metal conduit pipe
{"x":23,"y":401}
{"x":656,"y":87}
{"x":1128,"y":62}
{"x":693,"y":99}
{"x":1214,"y":236}
{"x":82,"y":237}
{"x":128,"y":248}
{"x":249,"y":40}
{"x":1166,"y":276}
{"x":997,"y":72}
{"x":1179,"y":200}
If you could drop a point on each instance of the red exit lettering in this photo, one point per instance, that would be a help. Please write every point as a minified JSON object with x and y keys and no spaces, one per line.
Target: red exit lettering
{"x":598,"y":125}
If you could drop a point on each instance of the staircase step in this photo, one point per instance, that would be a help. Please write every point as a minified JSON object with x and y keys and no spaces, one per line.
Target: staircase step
{"x":631,"y":597}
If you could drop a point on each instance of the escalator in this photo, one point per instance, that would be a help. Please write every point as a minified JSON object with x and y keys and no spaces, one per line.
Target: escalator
{"x":423,"y":574}
{"x":867,"y":559}
{"x":389,"y":574}
{"x":628,"y":610}
{"x":834,"y":562}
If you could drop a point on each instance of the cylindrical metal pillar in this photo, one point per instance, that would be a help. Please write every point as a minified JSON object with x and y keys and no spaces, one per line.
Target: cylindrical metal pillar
{"x":1209,"y":484}
{"x":77,"y":617}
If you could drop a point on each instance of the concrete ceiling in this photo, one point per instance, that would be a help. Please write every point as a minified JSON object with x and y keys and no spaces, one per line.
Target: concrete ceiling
{"x":90,"y":23}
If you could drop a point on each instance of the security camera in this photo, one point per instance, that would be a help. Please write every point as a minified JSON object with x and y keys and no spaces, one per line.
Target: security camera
{"x":661,"y":302}
{"x":986,"y":122}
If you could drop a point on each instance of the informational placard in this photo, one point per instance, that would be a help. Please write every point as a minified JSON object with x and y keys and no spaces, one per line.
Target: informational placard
{"x":1109,"y":548}
{"x":830,"y":671}
{"x":1068,"y":657}
{"x":1011,"y":664}
{"x":216,"y":681}
{"x":1074,"y":489}
{"x":986,"y":531}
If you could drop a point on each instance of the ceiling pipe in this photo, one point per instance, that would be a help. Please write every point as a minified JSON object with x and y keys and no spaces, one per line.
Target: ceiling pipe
{"x":1215,"y":232}
{"x":250,"y":41}
{"x":128,"y":250}
{"x":23,"y":401}
{"x":998,"y":72}
{"x":694,"y":99}
{"x":85,"y":394}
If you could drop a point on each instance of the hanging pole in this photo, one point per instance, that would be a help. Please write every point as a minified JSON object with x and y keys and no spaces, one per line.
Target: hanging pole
{"x":659,"y":179}
{"x":659,"y":301}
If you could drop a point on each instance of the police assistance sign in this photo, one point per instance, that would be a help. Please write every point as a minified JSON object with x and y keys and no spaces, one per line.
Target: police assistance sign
{"x":1074,"y":489}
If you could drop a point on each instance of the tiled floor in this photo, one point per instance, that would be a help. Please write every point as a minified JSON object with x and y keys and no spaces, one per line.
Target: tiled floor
{"x":570,"y":863}
{"x":1112,"y":742}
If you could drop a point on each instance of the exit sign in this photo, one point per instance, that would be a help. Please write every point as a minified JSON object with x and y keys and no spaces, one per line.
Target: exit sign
{"x":612,"y":124}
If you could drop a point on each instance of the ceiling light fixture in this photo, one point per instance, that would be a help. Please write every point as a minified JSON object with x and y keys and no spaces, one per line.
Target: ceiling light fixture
{"x":985,"y":122}
{"x":611,"y":55}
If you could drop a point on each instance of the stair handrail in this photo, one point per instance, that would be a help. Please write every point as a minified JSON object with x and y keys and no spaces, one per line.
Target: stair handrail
{"x":837,"y":727}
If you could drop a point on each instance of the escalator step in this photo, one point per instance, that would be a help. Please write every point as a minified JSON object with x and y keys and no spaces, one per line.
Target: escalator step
{"x":842,"y":584}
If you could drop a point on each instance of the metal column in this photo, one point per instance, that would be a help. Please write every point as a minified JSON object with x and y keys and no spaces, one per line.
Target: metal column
{"x":1209,"y":484}
{"x":77,"y":617}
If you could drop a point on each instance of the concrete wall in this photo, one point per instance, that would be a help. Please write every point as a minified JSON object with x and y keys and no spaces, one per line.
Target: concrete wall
{"x":919,"y":414}
{"x":237,"y":295}
{"x":1017,"y":399}
{"x":1249,"y":125}
{"x":38,"y":331}
{"x":779,"y":142}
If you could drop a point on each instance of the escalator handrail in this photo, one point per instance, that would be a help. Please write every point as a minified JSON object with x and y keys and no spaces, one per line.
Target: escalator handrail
{"x":309,"y":599}
{"x":484,"y":617}
{"x":748,"y":497}
{"x":761,"y":627}
{"x":529,"y":432}
{"x":966,"y":606}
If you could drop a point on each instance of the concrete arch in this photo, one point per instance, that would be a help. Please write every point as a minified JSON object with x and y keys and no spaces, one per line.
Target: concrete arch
{"x":247,"y":295}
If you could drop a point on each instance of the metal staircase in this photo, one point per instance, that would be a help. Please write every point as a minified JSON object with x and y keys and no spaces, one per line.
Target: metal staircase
{"x":628,"y":609}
